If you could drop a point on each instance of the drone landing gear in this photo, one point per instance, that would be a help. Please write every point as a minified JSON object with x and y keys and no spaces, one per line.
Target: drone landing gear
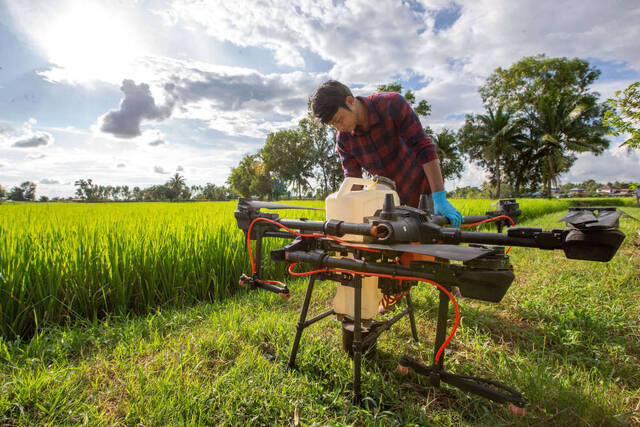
{"x":497,"y":392}
{"x":360,"y":343}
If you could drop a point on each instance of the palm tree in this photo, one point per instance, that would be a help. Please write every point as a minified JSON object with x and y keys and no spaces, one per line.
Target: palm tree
{"x":175,"y":184}
{"x":489,"y":138}
{"x":449,"y":154}
{"x":564,"y":126}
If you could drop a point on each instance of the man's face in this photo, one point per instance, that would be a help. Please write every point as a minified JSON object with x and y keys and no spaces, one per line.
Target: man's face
{"x":345,"y":120}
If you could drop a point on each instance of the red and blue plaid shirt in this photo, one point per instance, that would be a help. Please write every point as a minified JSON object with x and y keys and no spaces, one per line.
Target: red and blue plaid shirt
{"x":395,"y":146}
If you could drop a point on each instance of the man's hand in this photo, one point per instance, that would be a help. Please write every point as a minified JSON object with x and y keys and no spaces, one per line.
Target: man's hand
{"x":441,"y":206}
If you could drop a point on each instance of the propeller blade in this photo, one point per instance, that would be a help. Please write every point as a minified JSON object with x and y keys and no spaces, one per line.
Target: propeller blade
{"x":579,"y":217}
{"x":256,"y":204}
{"x":586,"y":218}
{"x":607,"y":219}
{"x":452,"y":252}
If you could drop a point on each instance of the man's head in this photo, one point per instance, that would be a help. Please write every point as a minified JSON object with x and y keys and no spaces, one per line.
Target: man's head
{"x":333,"y":104}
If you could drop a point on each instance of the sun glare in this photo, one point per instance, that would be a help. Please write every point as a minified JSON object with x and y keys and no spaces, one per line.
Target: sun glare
{"x":91,"y":42}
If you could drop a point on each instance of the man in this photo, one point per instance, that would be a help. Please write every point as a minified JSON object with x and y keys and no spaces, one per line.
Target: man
{"x":383,"y":134}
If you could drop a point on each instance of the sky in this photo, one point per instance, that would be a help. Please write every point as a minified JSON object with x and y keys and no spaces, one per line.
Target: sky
{"x":131,"y":92}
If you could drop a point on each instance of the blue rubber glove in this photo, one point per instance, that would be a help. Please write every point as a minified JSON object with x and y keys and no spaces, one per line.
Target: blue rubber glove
{"x":441,"y":206}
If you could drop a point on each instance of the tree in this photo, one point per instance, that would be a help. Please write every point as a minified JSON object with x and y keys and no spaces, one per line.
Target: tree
{"x":624,"y":115}
{"x":25,"y":192}
{"x":422,"y":109}
{"x":213,"y":192}
{"x":522,"y":167}
{"x":448,"y":152}
{"x":564,"y":125}
{"x":3,"y":192}
{"x":488,"y":139}
{"x":540,"y":90}
{"x":327,"y":167}
{"x":250,"y":177}
{"x":87,"y":190}
{"x":177,"y":188}
{"x":520,"y":87}
{"x":290,"y":156}
{"x":137,"y":194}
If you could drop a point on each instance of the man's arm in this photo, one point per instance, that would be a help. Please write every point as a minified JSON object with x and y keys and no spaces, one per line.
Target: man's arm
{"x":411,"y":131}
{"x":441,"y":206}
{"x":434,"y":175}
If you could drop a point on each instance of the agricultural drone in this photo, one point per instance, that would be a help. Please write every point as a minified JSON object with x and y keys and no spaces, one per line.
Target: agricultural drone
{"x":399,"y":246}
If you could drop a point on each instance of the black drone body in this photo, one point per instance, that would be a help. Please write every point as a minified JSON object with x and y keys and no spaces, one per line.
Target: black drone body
{"x":402,"y":245}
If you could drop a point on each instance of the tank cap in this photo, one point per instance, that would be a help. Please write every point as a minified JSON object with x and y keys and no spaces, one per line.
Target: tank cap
{"x":386,"y":181}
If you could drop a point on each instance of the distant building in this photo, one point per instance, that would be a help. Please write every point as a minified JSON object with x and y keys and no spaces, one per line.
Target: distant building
{"x":607,"y":189}
{"x":576,"y":192}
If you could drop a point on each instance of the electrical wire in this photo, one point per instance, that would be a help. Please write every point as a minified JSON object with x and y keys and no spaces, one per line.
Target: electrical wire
{"x":307,"y":273}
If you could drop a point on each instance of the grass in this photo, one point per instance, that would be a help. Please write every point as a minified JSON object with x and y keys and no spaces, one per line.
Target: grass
{"x":566,"y":335}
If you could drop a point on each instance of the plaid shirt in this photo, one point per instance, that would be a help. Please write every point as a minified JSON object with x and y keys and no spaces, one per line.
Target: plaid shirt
{"x":395,"y":146}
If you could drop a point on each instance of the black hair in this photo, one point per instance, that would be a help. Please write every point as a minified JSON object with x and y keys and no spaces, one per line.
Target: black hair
{"x":327,"y":98}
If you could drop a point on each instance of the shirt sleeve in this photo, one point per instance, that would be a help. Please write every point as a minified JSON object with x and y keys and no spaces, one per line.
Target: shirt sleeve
{"x":350,"y":165}
{"x":410,"y":129}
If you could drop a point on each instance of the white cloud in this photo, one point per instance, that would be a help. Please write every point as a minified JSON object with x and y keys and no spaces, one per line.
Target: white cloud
{"x":35,"y":139}
{"x":47,"y":181}
{"x":160,"y":170}
{"x":615,"y":164}
{"x":27,"y":137}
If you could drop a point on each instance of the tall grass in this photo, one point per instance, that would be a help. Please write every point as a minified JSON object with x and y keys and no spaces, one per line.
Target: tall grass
{"x":64,"y":262}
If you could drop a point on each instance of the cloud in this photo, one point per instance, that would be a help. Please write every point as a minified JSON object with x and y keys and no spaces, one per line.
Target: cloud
{"x":47,"y":181}
{"x":5,"y":129}
{"x":35,"y":156}
{"x":159,"y":169}
{"x":138,"y":104}
{"x":27,"y":137}
{"x":37,"y":139}
{"x":180,"y":169}
{"x":235,"y":101}
{"x":622,"y":166}
{"x":121,"y":165}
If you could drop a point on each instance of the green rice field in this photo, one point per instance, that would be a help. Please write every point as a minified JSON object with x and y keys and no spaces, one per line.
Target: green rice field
{"x":62,"y":263}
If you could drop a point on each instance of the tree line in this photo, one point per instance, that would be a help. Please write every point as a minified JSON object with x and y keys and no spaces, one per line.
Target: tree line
{"x":175,"y":189}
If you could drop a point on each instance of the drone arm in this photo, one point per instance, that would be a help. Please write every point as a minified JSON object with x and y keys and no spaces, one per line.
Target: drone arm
{"x":535,"y":239}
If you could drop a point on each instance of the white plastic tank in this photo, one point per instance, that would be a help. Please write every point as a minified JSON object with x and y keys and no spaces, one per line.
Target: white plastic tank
{"x":351,"y":205}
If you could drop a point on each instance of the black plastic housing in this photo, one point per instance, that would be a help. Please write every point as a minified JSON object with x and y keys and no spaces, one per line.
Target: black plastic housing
{"x":596,"y":245}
